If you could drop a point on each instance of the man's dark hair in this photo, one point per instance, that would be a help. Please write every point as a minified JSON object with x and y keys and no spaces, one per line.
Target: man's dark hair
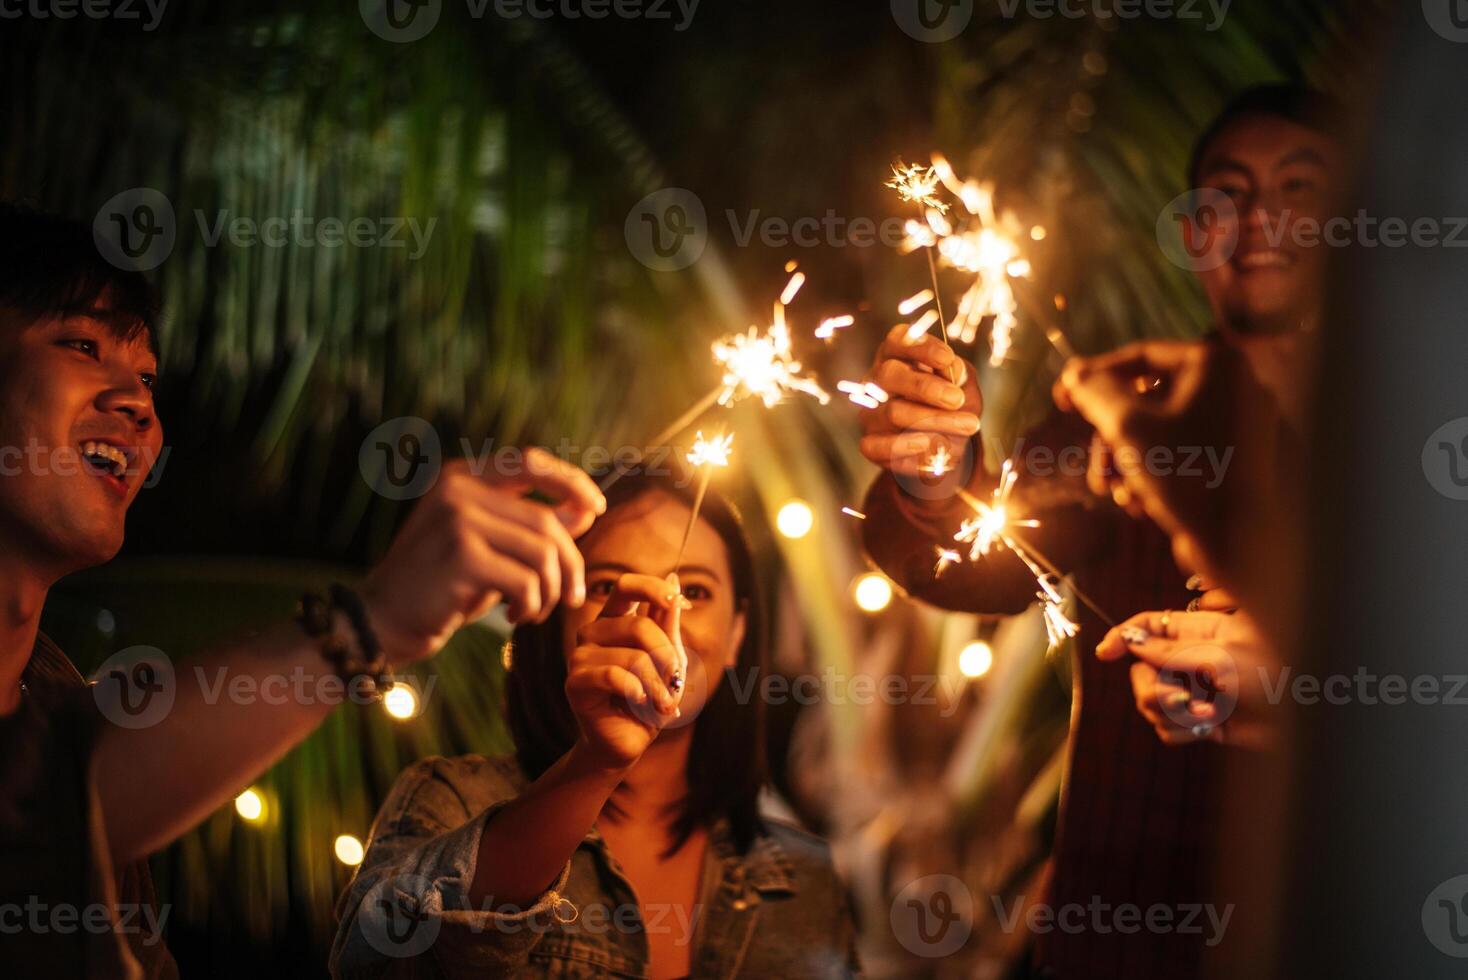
{"x":1293,"y":101}
{"x":50,"y":268}
{"x":726,"y":762}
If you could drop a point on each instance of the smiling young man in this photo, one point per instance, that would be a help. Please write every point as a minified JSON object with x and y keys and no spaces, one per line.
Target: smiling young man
{"x":1137,"y":818}
{"x":83,"y":799}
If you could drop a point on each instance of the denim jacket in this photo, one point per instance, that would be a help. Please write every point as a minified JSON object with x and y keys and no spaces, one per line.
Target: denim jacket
{"x":778,"y":910}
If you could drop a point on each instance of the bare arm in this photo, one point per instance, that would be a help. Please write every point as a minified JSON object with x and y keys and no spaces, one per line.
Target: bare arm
{"x":471,"y":542}
{"x":616,"y":685}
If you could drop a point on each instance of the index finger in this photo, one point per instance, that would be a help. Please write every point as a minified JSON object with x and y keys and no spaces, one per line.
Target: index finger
{"x":632,"y":590}
{"x":577,"y":499}
{"x":927,"y":350}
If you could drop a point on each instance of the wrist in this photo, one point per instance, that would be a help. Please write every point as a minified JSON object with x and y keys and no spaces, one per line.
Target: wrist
{"x":585,"y":759}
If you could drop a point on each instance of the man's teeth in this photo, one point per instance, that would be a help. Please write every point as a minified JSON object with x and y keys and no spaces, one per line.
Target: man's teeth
{"x":104,"y":455}
{"x":1266,"y":259}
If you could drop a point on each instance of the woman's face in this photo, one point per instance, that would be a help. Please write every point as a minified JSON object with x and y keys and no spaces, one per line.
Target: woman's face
{"x":641,"y":537}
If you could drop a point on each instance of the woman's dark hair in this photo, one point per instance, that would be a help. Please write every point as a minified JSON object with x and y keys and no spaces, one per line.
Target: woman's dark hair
{"x":1292,"y":101}
{"x":50,"y":267}
{"x":726,"y":763}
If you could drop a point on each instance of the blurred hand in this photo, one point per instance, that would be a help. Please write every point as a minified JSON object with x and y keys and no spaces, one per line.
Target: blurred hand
{"x":924,"y":408}
{"x":1163,"y":395}
{"x":476,"y":540}
{"x":619,"y":679}
{"x":1197,"y":675}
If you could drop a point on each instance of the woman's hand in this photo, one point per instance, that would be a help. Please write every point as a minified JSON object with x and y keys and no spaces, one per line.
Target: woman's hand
{"x":924,"y":409}
{"x":1197,"y":675}
{"x":476,"y":540}
{"x":620,"y":679}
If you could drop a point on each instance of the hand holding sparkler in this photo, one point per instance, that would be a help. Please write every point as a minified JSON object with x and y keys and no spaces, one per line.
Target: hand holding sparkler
{"x":923,"y":412}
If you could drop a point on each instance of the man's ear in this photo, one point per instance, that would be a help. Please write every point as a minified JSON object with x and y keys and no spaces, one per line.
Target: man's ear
{"x":736,"y":636}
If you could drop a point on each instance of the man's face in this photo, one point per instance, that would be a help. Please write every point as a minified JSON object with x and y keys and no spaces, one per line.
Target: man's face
{"x":1276,"y":173}
{"x":77,"y":438}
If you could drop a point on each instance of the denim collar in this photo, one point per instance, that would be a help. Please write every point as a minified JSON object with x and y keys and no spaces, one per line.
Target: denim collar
{"x":765,"y":867}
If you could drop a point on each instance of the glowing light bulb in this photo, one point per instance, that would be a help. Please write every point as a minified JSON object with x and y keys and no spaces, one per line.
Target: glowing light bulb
{"x":250,"y":805}
{"x":349,"y":850}
{"x":795,"y":519}
{"x":872,"y":592}
{"x":975,"y":659}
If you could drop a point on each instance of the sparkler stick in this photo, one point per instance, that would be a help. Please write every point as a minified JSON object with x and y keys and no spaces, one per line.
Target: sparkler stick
{"x":706,"y":454}
{"x":919,"y":186}
{"x":756,"y":364}
{"x":1001,"y":528}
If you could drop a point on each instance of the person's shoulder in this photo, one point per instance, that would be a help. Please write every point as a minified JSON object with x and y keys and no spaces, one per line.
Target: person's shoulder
{"x":808,"y":854}
{"x":477,"y":780}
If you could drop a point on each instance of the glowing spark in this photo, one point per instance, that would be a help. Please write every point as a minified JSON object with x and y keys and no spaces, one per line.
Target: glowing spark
{"x":920,"y":326}
{"x":939,"y":463}
{"x":914,"y":303}
{"x":1057,"y":625}
{"x":916,"y":183}
{"x":792,"y":287}
{"x":830,"y":325}
{"x":854,"y":513}
{"x":988,"y":528}
{"x":863,"y":393}
{"x":711,"y":452}
{"x":946,"y":558}
{"x":761,"y":365}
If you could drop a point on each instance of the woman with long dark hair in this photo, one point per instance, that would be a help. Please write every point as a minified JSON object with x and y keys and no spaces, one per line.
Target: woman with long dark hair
{"x":624,"y":837}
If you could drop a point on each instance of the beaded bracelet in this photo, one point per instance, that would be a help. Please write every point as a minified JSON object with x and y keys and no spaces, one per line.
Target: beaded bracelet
{"x":354,"y":652}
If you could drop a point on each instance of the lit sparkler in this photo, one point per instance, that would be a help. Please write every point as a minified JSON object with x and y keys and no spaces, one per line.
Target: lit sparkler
{"x":863,"y":393}
{"x":947,"y":557}
{"x":756,"y":364}
{"x":940,"y":463}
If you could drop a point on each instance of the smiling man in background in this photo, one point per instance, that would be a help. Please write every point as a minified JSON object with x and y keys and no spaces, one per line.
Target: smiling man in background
{"x":1138,"y":819}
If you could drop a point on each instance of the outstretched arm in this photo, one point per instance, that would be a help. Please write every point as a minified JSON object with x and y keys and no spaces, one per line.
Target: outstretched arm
{"x":471,"y":542}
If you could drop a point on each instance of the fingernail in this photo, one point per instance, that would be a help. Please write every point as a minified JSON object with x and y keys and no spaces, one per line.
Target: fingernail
{"x":952,"y":396}
{"x":1195,"y":583}
{"x":677,"y":712}
{"x":1135,"y":634}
